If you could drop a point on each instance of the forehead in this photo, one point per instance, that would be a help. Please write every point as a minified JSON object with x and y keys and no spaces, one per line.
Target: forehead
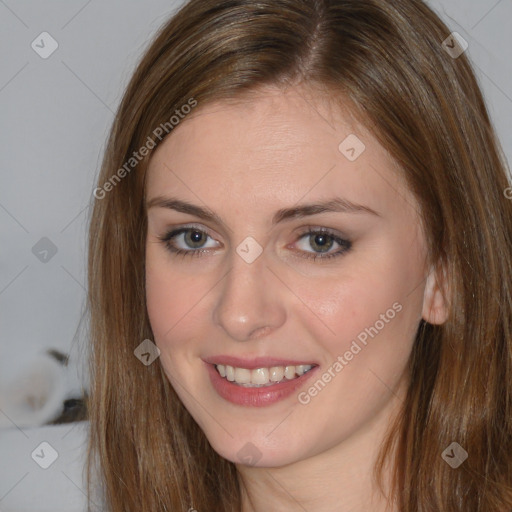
{"x":274,"y":148}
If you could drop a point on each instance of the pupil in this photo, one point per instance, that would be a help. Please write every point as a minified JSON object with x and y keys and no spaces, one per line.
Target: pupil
{"x":321,"y":242}
{"x":195,"y":236}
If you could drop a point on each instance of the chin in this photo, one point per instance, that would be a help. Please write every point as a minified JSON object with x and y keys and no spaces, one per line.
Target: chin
{"x":248,"y":448}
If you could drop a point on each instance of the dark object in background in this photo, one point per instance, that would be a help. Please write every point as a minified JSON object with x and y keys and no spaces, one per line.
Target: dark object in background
{"x":73,"y":409}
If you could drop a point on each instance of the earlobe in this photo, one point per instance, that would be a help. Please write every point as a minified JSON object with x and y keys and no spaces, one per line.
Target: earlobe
{"x":435,"y":307}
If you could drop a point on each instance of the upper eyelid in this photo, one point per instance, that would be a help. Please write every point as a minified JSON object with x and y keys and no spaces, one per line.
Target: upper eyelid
{"x":303,"y":229}
{"x":186,"y":227}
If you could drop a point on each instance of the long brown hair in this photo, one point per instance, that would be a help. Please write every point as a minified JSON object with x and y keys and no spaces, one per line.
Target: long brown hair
{"x":386,"y":59}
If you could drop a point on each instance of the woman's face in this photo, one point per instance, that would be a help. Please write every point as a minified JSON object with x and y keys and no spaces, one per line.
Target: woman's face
{"x":252,"y":291}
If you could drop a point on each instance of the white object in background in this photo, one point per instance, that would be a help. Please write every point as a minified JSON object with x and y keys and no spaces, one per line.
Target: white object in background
{"x":37,"y":394}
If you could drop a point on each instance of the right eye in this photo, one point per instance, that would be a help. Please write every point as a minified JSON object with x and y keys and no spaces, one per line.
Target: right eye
{"x":191,"y":237}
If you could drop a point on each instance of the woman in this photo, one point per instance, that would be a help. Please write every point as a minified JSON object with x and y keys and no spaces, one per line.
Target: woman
{"x":342,"y":341}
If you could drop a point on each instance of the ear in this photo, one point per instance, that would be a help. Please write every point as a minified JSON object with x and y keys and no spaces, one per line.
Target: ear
{"x":435,"y":307}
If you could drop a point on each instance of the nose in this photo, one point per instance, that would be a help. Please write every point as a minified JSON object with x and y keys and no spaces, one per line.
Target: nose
{"x":250,"y":302}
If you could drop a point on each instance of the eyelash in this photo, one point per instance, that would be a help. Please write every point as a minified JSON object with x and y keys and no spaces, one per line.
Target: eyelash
{"x":345,"y":244}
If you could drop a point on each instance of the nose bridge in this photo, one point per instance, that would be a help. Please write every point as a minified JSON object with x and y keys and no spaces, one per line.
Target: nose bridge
{"x":248,"y":302}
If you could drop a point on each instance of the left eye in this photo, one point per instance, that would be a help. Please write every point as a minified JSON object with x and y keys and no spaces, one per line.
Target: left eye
{"x":321,"y":240}
{"x":324,"y":240}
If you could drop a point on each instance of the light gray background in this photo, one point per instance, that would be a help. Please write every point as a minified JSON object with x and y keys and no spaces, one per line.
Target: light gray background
{"x":55,"y":116}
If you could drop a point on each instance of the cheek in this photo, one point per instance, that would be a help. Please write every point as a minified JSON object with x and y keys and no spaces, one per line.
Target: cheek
{"x":370,"y":304}
{"x":160,"y":299}
{"x":167,"y":304}
{"x":168,"y":296}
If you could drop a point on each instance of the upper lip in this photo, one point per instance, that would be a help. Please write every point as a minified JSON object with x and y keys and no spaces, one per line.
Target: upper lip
{"x":256,"y":362}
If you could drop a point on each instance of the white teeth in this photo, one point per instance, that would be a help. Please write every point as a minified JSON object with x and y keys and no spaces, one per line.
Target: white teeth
{"x":260,"y":377}
{"x":242,"y":375}
{"x":289,"y":372}
{"x":276,"y":373}
{"x":299,"y":370}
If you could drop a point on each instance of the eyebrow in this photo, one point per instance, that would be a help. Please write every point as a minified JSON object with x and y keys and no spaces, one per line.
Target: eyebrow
{"x":336,"y":204}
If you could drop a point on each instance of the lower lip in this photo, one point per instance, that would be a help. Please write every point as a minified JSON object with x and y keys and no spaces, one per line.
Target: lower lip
{"x":255,"y":397}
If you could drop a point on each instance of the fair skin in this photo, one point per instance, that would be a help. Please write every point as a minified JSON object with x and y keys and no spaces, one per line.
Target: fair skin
{"x":244,"y":161}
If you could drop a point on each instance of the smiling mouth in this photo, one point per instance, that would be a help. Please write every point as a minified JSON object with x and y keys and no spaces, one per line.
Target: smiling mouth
{"x":261,"y":377}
